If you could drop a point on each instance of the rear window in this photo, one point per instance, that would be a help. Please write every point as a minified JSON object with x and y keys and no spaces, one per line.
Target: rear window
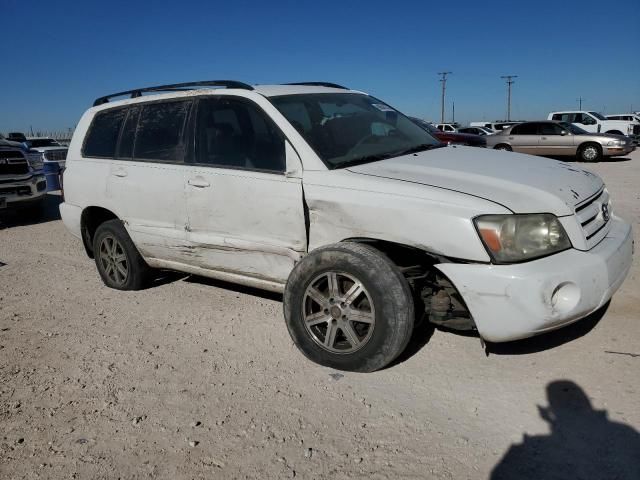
{"x":103,"y":134}
{"x":160,"y":130}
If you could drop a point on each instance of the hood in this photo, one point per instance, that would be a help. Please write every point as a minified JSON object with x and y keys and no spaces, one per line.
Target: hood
{"x":521,"y":183}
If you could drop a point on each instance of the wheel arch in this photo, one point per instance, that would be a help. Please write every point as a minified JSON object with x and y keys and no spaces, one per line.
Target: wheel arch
{"x":91,"y":218}
{"x":399,"y":253}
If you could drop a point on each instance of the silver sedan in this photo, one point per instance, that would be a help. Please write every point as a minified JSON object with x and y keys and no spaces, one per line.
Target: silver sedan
{"x":559,"y":139}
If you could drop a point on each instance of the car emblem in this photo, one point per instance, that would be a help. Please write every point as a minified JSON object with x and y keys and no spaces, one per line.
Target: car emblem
{"x":605,"y":212}
{"x":4,"y":161}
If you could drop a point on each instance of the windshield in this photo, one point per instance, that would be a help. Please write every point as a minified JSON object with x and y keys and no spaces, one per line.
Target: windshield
{"x":349,"y":128}
{"x":598,"y":115}
{"x":42,"y":142}
{"x":572,"y":128}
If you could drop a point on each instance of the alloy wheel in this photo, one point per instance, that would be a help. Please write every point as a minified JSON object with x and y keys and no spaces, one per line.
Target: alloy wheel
{"x":338,"y":312}
{"x":113,"y":260}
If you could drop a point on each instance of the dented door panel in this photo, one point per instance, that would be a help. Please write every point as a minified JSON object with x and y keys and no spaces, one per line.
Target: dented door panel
{"x":245,"y":222}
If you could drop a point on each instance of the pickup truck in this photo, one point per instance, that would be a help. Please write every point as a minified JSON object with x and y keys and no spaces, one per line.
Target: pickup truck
{"x":22,"y":180}
{"x":597,"y":123}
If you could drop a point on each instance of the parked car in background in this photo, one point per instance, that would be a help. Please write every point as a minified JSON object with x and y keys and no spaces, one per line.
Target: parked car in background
{"x":53,"y":156}
{"x":597,"y":123}
{"x":476,"y":130}
{"x":560,"y":139}
{"x":494,"y":126}
{"x":22,"y":181}
{"x":448,"y":127}
{"x":451,"y":138}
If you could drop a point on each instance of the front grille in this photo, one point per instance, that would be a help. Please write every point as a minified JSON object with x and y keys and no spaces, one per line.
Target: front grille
{"x":22,"y":190}
{"x":55,"y":155}
{"x":12,"y":162}
{"x":594,"y":216}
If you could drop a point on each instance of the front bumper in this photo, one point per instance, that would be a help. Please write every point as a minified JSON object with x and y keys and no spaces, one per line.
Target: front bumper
{"x":510,"y":302}
{"x":23,"y":190}
{"x":615,"y":151}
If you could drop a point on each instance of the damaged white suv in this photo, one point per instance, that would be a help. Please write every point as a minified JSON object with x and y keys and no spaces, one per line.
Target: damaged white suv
{"x":362,"y":219}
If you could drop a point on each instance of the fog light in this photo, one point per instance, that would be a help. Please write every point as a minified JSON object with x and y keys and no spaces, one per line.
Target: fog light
{"x":565,"y":297}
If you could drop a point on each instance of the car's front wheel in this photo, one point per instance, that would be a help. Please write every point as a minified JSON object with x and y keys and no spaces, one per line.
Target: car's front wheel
{"x":347,"y":306}
{"x":590,"y":152}
{"x":117,"y":259}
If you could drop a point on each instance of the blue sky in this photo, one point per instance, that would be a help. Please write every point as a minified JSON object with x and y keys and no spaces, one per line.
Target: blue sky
{"x":60,"y":55}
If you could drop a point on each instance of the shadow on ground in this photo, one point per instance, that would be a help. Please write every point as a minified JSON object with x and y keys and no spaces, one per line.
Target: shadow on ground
{"x":583,"y":443}
{"x":256,"y":292}
{"x":47,"y":211}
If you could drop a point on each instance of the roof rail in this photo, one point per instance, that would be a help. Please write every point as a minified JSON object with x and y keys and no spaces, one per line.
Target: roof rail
{"x":319,"y":84}
{"x":175,"y":87}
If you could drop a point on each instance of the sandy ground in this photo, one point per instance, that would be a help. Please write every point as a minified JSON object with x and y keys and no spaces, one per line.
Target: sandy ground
{"x":198,"y":379}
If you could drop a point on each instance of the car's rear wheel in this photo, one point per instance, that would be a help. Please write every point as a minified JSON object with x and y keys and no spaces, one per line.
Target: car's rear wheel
{"x":590,"y":152}
{"x":503,"y":146}
{"x":119,"y":264}
{"x":347,"y":306}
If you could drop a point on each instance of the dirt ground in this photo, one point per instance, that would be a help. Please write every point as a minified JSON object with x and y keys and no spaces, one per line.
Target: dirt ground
{"x":198,"y":379}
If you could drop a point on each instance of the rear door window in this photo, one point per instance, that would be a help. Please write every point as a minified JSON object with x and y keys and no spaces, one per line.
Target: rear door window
{"x":160,"y":132}
{"x":550,"y":129}
{"x":525,"y":129}
{"x":103,"y":134}
{"x":128,"y":134}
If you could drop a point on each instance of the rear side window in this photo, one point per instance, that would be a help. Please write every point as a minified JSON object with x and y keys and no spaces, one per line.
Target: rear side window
{"x":525,"y":129}
{"x":128,"y":134}
{"x":103,"y":134}
{"x":160,"y":131}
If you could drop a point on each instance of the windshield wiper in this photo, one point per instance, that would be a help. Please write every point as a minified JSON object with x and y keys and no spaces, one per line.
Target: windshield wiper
{"x":383,"y":156}
{"x":417,"y":148}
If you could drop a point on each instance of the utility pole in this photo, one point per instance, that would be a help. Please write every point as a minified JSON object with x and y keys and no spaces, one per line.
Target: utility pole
{"x":453,"y":108}
{"x":580,"y":103}
{"x":443,"y":80}
{"x":510,"y":81}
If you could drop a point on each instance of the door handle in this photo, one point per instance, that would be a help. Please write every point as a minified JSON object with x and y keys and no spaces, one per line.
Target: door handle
{"x":543,"y":138}
{"x":120,"y":173}
{"x":198,"y":182}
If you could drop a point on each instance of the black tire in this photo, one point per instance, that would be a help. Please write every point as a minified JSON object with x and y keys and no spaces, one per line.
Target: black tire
{"x":386,"y":293}
{"x":590,"y":152}
{"x":503,"y":146}
{"x":138,"y":272}
{"x":615,"y":132}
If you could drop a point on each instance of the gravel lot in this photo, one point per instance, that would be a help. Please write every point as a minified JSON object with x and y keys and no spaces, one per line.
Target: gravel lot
{"x":198,"y":379}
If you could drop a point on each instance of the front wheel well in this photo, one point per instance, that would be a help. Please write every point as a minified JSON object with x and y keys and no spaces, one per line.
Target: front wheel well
{"x":436,"y":298}
{"x":91,"y":219}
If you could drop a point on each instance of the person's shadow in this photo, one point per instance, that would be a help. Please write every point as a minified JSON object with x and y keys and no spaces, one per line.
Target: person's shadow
{"x":583,"y":445}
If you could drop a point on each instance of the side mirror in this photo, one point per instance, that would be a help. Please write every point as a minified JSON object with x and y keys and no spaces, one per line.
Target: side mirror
{"x":563,"y":133}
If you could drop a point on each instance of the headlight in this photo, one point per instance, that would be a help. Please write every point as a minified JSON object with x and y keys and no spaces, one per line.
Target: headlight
{"x":35,"y":160}
{"x":516,"y":238}
{"x":615,"y":142}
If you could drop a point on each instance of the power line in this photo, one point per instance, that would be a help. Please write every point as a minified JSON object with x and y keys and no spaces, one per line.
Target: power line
{"x":443,"y":80}
{"x":510,"y":81}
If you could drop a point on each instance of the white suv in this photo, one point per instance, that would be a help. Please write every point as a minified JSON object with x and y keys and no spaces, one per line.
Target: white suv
{"x":361,"y":218}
